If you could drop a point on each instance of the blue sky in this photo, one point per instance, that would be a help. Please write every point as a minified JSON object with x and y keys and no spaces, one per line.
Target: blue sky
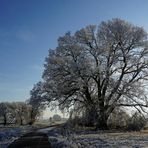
{"x":28,"y":28}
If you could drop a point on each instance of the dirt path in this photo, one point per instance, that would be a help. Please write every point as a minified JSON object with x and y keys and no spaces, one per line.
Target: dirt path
{"x":32,"y":140}
{"x":37,"y":138}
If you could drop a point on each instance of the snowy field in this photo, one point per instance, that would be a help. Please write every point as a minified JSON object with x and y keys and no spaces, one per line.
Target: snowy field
{"x":63,"y":138}
{"x":119,"y":140}
{"x":9,"y":134}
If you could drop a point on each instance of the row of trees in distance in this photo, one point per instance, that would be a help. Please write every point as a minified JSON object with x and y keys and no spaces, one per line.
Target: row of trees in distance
{"x":17,"y":113}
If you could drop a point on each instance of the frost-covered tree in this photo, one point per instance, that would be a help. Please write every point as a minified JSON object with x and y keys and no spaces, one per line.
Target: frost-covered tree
{"x":20,"y":112}
{"x":6,"y":112}
{"x":100,"y":68}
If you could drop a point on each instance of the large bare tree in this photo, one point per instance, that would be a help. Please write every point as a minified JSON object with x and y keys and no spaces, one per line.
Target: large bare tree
{"x":99,"y":68}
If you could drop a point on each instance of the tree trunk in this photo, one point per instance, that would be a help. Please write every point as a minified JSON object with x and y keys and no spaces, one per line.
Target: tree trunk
{"x":32,"y":118}
{"x":91,"y":116}
{"x":102,"y":121}
{"x":21,"y":120}
{"x":5,"y":120}
{"x":102,"y":124}
{"x":102,"y":115}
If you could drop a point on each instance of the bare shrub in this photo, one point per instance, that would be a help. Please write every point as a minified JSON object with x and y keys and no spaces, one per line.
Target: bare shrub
{"x":137,"y":122}
{"x":118,"y":119}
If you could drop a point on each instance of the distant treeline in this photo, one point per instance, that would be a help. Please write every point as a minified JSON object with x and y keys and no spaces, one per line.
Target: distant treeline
{"x":17,"y":113}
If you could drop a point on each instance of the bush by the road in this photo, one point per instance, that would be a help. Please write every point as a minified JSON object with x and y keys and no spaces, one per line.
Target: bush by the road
{"x":137,"y":122}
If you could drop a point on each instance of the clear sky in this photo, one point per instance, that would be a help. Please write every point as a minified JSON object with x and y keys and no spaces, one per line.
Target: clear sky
{"x":28,"y":28}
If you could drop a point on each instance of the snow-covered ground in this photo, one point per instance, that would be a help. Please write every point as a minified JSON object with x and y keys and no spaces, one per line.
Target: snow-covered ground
{"x":9,"y":134}
{"x":62,"y":137}
{"x":108,"y":141}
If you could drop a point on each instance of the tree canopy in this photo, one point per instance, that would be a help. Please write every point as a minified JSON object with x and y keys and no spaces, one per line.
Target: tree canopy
{"x":98,"y":69}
